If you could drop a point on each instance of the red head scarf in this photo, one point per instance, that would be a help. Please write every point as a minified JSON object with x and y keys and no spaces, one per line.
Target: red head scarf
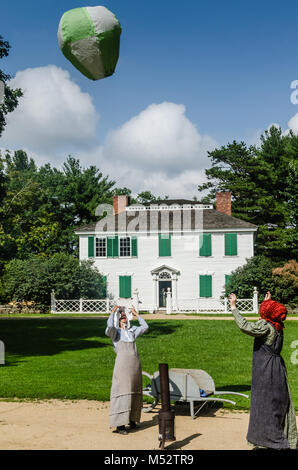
{"x":273,"y":312}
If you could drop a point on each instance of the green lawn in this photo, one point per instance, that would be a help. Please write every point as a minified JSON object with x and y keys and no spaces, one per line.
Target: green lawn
{"x":71,"y":358}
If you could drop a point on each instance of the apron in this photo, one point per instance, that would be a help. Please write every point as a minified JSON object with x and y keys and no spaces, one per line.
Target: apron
{"x":269,"y":396}
{"x":126,"y":400}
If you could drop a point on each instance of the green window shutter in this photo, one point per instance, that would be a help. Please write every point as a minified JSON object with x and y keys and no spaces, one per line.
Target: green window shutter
{"x":115,"y":247}
{"x":206,"y":286}
{"x":105,"y":291}
{"x":205,"y":244}
{"x":227,"y":279}
{"x":112,"y":247}
{"x":164,"y":243}
{"x":230,"y":244}
{"x":125,"y":287}
{"x":91,"y":247}
{"x":134,"y":246}
{"x":109,"y":247}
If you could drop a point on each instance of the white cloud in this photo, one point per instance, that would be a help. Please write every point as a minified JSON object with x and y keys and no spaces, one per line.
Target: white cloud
{"x":159,"y":150}
{"x":293,"y":123}
{"x":54,"y":114}
{"x":160,"y":137}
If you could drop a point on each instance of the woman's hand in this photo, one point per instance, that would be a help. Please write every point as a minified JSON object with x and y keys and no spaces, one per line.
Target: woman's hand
{"x":115,"y":308}
{"x":268,"y":295}
{"x":134,"y":312}
{"x":233,"y":300}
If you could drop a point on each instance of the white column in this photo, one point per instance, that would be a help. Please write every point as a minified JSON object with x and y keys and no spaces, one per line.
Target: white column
{"x":53,"y":302}
{"x":2,"y":353}
{"x":255,"y":301}
{"x":175,"y":297}
{"x":169,"y":301}
{"x":155,"y":287}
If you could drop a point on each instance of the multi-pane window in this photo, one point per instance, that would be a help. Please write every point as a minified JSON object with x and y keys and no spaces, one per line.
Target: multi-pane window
{"x":101,"y":247}
{"x":112,"y":246}
{"x":124,"y":246}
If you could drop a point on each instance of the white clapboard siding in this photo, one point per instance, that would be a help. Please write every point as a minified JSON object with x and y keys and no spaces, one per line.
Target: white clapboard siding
{"x":184,"y":258}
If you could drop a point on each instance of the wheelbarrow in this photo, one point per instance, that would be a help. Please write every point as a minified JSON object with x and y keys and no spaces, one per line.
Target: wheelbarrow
{"x":189,"y":386}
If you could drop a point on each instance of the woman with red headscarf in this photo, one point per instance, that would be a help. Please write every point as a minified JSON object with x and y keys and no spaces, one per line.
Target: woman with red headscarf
{"x":272,"y":421}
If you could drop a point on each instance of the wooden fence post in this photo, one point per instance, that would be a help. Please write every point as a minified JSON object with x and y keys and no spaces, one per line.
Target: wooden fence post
{"x":255,"y":301}
{"x":53,"y":302}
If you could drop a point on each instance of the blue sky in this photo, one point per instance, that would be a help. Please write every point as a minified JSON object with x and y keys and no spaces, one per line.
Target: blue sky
{"x":210,"y":72}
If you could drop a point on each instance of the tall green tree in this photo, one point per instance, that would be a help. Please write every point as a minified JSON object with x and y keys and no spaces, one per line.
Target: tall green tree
{"x":11,"y":97}
{"x":259,"y":179}
{"x":43,"y":206}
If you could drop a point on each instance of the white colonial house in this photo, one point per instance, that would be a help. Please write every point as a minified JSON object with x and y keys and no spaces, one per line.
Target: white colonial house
{"x":178,"y":249}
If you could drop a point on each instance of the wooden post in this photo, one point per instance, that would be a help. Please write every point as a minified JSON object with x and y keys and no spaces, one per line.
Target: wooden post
{"x":169,"y":301}
{"x":166,"y":416}
{"x":2,"y":353}
{"x":255,"y":301}
{"x":53,"y":302}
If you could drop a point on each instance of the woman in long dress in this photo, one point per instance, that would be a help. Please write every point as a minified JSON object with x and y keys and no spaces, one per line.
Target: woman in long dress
{"x":126,"y":399}
{"x":272,"y":422}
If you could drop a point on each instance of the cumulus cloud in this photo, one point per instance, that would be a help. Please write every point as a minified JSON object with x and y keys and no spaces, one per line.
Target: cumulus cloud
{"x":161,"y":137}
{"x":159,"y":150}
{"x":293,"y":123}
{"x":53,"y":115}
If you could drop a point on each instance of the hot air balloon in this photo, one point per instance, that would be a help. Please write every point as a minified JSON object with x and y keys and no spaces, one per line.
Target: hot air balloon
{"x":89,"y":37}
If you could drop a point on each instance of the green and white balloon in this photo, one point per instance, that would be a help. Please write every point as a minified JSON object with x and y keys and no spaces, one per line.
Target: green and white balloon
{"x":89,"y":37}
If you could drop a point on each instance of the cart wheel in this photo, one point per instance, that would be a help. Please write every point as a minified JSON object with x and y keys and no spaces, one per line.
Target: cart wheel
{"x":147,"y":407}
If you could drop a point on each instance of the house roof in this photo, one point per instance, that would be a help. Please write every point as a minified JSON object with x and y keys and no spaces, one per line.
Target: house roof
{"x":167,"y":221}
{"x":169,"y":202}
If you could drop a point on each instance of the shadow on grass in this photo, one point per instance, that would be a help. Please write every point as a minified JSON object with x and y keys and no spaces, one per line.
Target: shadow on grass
{"x":235,"y":388}
{"x":161,"y":328}
{"x":44,"y":337}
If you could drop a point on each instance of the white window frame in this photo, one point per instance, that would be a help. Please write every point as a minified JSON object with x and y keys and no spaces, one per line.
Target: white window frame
{"x":100,"y":238}
{"x":119,"y":247}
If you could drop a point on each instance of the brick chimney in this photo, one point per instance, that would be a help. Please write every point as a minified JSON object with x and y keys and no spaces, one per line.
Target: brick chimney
{"x":119,"y":204}
{"x":223,"y":202}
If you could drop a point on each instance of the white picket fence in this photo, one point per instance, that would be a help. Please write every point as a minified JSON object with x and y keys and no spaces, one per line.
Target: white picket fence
{"x":194,"y":305}
{"x":209,"y":305}
{"x":80,"y":305}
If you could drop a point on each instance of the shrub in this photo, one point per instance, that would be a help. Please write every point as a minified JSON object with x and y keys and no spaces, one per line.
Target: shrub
{"x":286,"y":282}
{"x":257,"y":272}
{"x":34,"y":278}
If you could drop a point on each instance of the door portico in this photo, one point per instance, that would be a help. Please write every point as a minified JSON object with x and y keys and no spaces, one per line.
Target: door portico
{"x":164,"y":278}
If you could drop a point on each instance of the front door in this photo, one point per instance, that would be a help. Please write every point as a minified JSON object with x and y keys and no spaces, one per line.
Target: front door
{"x":163,"y":287}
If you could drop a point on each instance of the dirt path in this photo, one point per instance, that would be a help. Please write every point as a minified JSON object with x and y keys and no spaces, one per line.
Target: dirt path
{"x":84,"y":424}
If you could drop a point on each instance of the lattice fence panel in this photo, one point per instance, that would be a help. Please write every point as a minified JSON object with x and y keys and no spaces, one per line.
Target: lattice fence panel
{"x":213,"y":305}
{"x":94,"y":306}
{"x":82,"y":306}
{"x":244,"y":305}
{"x":67,"y":306}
